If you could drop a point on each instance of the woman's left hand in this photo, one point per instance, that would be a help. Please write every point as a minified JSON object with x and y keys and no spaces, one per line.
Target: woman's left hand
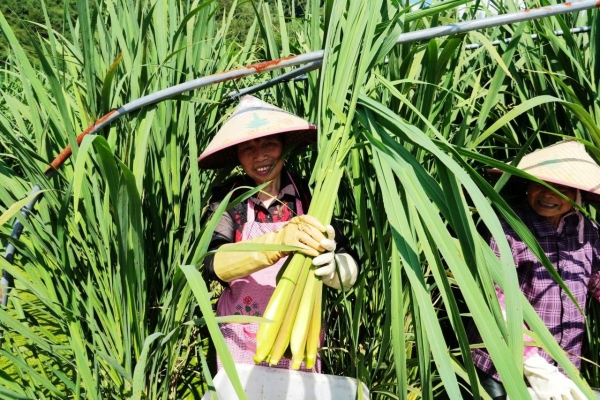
{"x":335,"y":268}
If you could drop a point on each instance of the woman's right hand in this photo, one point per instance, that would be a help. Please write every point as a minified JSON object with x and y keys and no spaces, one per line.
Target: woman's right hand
{"x":305,"y":232}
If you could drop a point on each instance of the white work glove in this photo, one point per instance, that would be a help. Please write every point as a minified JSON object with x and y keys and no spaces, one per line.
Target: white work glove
{"x":335,"y":267}
{"x":531,"y":393}
{"x":547,"y":382}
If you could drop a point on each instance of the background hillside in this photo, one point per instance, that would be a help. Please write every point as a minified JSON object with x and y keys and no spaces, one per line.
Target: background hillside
{"x":24,"y":15}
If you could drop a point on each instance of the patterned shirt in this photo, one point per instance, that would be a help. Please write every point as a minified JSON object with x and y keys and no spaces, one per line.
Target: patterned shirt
{"x":578,"y":265}
{"x":230,"y":226}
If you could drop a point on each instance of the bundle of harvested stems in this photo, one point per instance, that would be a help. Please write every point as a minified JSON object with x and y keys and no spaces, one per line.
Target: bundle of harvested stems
{"x":351,"y":45}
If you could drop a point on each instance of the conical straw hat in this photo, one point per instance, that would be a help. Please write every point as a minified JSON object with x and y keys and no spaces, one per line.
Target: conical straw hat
{"x":253,"y":119}
{"x":564,"y":163}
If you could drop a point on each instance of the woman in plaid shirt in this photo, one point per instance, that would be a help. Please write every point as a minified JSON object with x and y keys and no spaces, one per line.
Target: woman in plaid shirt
{"x":572,"y":244}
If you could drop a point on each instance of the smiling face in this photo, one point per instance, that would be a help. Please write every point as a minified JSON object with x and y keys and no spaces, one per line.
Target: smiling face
{"x":549,"y":204}
{"x":261,"y":158}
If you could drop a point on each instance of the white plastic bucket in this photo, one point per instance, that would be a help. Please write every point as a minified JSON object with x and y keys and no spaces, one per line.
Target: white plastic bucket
{"x":273,"y":383}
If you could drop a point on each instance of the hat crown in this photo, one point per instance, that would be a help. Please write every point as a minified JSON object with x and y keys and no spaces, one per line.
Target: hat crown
{"x":250,"y":103}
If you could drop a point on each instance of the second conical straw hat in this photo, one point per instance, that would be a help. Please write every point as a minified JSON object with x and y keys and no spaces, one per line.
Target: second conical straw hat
{"x":253,"y":119}
{"x":564,"y":163}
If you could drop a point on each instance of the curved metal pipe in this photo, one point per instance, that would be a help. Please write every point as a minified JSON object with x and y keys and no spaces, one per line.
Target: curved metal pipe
{"x":534,"y":36}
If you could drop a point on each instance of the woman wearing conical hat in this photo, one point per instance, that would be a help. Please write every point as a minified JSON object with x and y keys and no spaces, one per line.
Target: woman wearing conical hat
{"x":571,"y":243}
{"x":257,"y":136}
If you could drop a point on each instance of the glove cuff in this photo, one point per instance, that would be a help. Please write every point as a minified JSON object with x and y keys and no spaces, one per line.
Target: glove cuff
{"x":347,"y":263}
{"x":233,"y":265}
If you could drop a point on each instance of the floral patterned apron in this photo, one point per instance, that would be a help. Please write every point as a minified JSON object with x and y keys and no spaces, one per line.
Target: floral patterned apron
{"x":250,"y":295}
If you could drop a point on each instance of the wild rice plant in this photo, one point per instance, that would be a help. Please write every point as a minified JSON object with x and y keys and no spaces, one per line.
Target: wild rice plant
{"x":109,"y":301}
{"x":100,"y":258}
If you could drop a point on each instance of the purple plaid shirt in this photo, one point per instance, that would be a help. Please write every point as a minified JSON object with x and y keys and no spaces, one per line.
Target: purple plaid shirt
{"x":578,"y":264}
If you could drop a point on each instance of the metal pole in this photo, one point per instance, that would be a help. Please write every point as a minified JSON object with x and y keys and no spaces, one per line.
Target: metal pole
{"x":559,"y":32}
{"x":7,"y":279}
{"x":314,"y":59}
{"x":455,"y":29}
{"x":299,"y":74}
{"x":295,"y":74}
{"x":497,"y":20}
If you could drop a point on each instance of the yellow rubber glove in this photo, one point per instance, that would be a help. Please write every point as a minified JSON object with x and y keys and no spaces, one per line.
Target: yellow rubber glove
{"x":304,"y":231}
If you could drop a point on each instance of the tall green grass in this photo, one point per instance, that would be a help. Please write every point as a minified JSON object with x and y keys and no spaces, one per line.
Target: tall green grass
{"x":101,"y":256}
{"x":109,"y":301}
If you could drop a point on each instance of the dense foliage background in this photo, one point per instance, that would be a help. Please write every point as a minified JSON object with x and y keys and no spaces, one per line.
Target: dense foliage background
{"x":109,"y":301}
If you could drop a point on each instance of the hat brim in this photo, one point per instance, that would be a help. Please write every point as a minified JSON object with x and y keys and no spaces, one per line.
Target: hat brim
{"x":226,"y":156}
{"x":588,"y":196}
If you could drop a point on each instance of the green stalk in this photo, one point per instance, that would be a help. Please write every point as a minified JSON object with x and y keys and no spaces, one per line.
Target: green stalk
{"x":278,"y":306}
{"x":285,"y":331}
{"x":302,"y":322}
{"x":314,"y":326}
